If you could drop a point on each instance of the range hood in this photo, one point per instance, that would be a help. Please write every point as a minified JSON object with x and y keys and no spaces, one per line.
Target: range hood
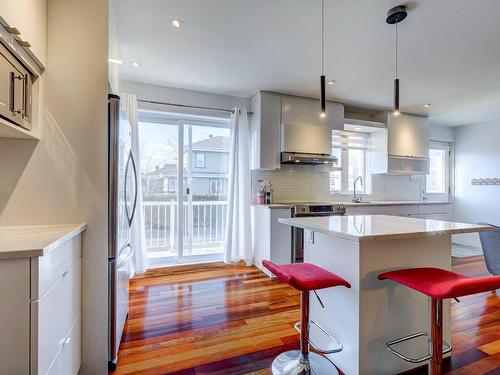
{"x":306,"y":144}
{"x":311,"y":159}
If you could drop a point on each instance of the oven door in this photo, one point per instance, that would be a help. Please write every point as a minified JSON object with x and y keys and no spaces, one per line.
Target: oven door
{"x":297,"y":245}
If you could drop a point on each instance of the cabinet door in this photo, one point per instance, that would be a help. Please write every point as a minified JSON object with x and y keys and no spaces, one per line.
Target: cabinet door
{"x":9,"y":13}
{"x":265,"y":131}
{"x":33,"y":26}
{"x":14,"y":316}
{"x":304,"y":111}
{"x":408,"y":135}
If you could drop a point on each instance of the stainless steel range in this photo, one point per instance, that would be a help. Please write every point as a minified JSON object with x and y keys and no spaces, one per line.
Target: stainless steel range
{"x":310,"y":209}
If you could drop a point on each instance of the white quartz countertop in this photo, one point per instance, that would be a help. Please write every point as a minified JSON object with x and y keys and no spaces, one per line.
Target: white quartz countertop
{"x":372,"y":227}
{"x":28,"y":241}
{"x":351,"y":204}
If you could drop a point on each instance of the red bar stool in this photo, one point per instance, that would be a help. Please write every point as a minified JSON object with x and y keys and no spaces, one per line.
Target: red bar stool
{"x":305,"y":277}
{"x":437,"y":284}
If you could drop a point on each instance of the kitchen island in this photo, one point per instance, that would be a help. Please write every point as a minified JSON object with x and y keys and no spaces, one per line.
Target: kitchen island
{"x":372,"y":312}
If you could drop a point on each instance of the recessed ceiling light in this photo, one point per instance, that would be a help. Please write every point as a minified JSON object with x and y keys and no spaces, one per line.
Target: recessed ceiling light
{"x":135,"y":64}
{"x":176,"y":22}
{"x":331,"y":82}
{"x":428,"y":105}
{"x":115,"y":61}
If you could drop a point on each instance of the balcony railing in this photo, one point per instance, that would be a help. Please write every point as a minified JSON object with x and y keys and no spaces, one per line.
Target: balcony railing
{"x":203,"y":230}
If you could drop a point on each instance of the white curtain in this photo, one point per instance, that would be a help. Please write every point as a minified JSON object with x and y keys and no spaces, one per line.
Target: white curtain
{"x":238,"y":240}
{"x":137,"y":230}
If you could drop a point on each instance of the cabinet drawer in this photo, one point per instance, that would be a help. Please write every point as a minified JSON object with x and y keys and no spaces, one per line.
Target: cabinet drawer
{"x":52,"y":318}
{"x":434,"y":209}
{"x":68,"y":360}
{"x":373,"y":210}
{"x":46,"y":270}
{"x":408,"y":210}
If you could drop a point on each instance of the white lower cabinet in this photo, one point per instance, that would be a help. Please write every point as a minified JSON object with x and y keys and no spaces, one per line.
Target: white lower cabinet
{"x":40,"y":312}
{"x":69,"y":358}
{"x":441,"y":211}
{"x":272,"y":240}
{"x":53,"y":317}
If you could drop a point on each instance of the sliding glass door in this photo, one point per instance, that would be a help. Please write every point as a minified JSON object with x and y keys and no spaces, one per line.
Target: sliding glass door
{"x":184,"y":207}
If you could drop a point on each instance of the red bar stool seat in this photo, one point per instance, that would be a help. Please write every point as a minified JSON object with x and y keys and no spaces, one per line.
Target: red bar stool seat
{"x":305,"y":277}
{"x":437,"y":284}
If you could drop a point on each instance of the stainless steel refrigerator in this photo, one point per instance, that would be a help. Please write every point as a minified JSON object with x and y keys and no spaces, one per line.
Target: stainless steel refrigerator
{"x":122,"y":201}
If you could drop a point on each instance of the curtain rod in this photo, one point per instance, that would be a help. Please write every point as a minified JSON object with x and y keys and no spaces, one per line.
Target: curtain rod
{"x":189,"y":106}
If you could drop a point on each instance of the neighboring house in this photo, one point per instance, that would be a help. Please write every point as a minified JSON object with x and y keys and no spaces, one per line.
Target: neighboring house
{"x":209,"y":165}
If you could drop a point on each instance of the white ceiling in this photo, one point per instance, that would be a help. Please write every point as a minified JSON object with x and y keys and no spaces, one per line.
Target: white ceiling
{"x":449,"y":51}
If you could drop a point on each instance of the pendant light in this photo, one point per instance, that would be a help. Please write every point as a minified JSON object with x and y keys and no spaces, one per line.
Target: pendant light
{"x":395,"y":16}
{"x":322,"y":78}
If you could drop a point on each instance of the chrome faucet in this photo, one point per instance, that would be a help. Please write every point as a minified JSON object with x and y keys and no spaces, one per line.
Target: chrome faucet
{"x":355,"y":197}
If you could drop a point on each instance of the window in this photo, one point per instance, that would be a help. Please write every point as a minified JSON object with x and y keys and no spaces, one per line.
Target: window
{"x":350,"y":150}
{"x":438,"y":179}
{"x":169,"y":185}
{"x":216,"y":186}
{"x":200,"y":159}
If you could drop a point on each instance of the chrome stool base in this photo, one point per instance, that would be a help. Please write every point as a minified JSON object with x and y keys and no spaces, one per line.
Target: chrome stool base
{"x":288,"y":363}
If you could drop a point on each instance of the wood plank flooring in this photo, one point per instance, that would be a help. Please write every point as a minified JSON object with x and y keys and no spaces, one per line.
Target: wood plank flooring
{"x":215,"y":319}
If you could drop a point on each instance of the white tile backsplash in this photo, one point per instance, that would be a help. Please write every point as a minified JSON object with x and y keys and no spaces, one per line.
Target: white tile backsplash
{"x":310,"y":184}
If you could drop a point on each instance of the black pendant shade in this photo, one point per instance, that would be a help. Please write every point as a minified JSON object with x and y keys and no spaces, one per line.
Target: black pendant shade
{"x":323,"y":97}
{"x":396,"y":96}
{"x":322,"y":114}
{"x":395,"y":16}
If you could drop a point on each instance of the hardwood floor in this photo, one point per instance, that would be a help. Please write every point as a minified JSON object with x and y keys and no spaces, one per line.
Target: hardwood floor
{"x":217,"y":319}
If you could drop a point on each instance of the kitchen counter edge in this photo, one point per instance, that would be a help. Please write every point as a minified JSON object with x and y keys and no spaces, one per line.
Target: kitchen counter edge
{"x":64,"y":232}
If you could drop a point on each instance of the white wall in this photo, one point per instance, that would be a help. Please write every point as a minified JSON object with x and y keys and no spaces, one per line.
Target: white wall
{"x":115,"y":48}
{"x":64,"y":180}
{"x":148,"y":91}
{"x":477,"y":154}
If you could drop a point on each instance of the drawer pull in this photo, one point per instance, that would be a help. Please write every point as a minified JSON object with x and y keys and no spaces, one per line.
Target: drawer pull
{"x":65,"y":273}
{"x":67,"y":340}
{"x":12,"y":30}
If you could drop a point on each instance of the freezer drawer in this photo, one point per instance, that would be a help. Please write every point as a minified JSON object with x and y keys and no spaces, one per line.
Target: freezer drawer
{"x":119,"y":275}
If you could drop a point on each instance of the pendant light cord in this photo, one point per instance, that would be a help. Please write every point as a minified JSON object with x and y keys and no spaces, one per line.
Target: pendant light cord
{"x":322,"y":37}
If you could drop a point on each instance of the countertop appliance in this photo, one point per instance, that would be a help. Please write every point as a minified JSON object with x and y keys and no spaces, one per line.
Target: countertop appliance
{"x":15,"y":90}
{"x":310,"y":209}
{"x":122,"y":200}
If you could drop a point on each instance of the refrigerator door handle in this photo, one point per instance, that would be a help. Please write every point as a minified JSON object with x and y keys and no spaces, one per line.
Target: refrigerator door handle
{"x":134,"y":207}
{"x":130,"y":214}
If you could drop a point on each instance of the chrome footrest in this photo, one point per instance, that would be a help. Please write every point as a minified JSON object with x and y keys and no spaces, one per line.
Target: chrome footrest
{"x":446,"y":347}
{"x":315,"y":327}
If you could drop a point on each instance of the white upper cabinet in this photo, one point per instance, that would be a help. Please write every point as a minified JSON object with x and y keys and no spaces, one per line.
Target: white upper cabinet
{"x":9,"y":12}
{"x":265,"y":131}
{"x":27,"y":20}
{"x":305,"y":111}
{"x":272,"y":111}
{"x":33,"y":25}
{"x":403,"y":147}
{"x":408,"y":135}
